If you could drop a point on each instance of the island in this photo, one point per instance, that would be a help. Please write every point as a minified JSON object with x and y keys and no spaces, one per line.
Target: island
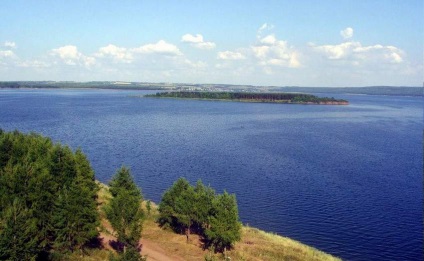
{"x":290,"y":98}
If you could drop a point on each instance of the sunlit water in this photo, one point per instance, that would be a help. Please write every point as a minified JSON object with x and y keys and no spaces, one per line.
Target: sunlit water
{"x":345,"y":179}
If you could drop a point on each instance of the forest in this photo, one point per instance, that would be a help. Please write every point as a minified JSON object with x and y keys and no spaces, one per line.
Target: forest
{"x":49,"y":206}
{"x":297,"y":98}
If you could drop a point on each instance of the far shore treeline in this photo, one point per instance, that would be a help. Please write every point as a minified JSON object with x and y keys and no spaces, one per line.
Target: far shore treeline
{"x":297,"y":98}
{"x":49,"y":207}
{"x":368,"y":90}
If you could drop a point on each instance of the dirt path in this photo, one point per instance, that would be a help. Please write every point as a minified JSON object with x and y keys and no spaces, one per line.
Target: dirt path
{"x":151,"y":249}
{"x":155,"y":252}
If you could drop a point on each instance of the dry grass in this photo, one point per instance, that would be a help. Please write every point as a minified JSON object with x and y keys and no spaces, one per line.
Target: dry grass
{"x":260,"y":245}
{"x":254,"y":245}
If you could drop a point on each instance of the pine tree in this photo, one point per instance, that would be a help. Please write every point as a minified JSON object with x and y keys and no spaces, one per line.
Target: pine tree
{"x":225,"y":227}
{"x":184,"y":209}
{"x":203,"y":204}
{"x":75,"y":218}
{"x":167,"y":206}
{"x":18,"y":233}
{"x":124,"y":209}
{"x":51,"y":193}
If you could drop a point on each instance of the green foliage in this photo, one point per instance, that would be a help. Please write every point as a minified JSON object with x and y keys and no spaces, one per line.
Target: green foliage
{"x":167,"y":207}
{"x":185,"y":208}
{"x":124,"y":209}
{"x":18,"y":233}
{"x":123,"y":181}
{"x":131,"y":254}
{"x":224,"y":227}
{"x":51,"y":192}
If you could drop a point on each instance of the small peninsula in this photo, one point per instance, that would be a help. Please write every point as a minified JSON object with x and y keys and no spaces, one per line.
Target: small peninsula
{"x":287,"y":98}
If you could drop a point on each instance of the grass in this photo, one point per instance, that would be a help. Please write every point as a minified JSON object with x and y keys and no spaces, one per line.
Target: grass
{"x":255,"y":244}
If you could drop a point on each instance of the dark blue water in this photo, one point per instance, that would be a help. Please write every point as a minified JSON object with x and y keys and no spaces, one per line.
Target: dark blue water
{"x":345,"y":179}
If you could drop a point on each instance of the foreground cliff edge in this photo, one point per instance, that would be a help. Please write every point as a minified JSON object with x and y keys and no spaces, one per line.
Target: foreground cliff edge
{"x":286,"y":98}
{"x":161,"y":244}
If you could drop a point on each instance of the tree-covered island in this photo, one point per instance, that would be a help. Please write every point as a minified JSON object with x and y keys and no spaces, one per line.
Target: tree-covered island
{"x":292,"y":98}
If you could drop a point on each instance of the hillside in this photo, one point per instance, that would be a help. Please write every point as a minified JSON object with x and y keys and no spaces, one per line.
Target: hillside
{"x":162,"y":245}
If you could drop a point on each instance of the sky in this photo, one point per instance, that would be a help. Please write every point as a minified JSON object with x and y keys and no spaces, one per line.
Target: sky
{"x":322,"y":43}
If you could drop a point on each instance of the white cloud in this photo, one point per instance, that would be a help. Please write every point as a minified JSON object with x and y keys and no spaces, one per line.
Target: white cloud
{"x":70,"y":55}
{"x":273,"y":52}
{"x":228,"y":55}
{"x":347,"y":33}
{"x":118,"y":54}
{"x":358,"y":54}
{"x":9,"y":44}
{"x":205,"y":45}
{"x":188,"y":38}
{"x":197,"y":41}
{"x":161,"y":47}
{"x":269,"y":39}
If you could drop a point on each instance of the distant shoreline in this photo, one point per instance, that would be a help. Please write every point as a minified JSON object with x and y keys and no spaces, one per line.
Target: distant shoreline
{"x":367,"y":90}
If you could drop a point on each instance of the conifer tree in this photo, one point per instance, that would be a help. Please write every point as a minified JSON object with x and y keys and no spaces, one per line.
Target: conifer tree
{"x":203,"y":204}
{"x":51,"y":193}
{"x":18,"y":233}
{"x":167,"y":206}
{"x":124,"y":209}
{"x":225,"y":227}
{"x":184,"y":209}
{"x":75,"y":218}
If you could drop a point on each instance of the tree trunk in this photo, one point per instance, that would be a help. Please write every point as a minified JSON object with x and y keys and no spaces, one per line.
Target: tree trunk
{"x":187,"y":233}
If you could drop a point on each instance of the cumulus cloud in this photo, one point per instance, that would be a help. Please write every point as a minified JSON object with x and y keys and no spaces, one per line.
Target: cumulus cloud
{"x":272,"y":52}
{"x":118,"y":54}
{"x":197,"y":41}
{"x":188,"y":38}
{"x":9,"y":44}
{"x":269,"y":39}
{"x":70,"y":55}
{"x":228,"y":55}
{"x":347,"y":33}
{"x":161,"y":47}
{"x":355,"y":52}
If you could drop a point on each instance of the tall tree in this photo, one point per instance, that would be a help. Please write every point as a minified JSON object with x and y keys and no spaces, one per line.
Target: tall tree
{"x":75,"y":218}
{"x":18,"y":233}
{"x":124,"y":209}
{"x":55,"y":191}
{"x":225,"y":227}
{"x":203,"y":204}
{"x":168,"y":205}
{"x":184,"y":209}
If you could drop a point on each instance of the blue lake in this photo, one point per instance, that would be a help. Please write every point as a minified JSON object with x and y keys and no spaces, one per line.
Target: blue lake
{"x":345,"y":179}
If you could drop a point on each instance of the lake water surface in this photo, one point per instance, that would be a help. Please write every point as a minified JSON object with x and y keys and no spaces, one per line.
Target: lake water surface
{"x":345,"y":179}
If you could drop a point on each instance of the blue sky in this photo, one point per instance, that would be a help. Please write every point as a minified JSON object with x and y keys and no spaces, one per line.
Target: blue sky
{"x":305,"y":43}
